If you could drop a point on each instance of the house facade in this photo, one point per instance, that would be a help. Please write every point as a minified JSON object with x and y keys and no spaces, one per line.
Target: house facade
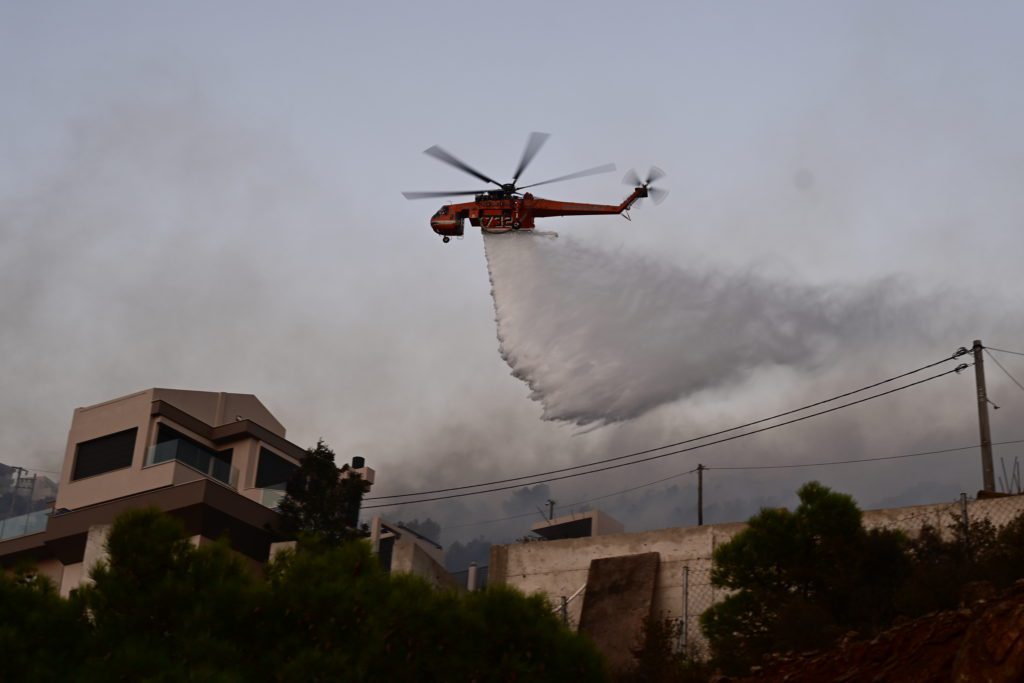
{"x":217,"y":461}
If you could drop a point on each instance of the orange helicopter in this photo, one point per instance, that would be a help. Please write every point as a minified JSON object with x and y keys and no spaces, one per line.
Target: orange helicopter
{"x":508,"y":208}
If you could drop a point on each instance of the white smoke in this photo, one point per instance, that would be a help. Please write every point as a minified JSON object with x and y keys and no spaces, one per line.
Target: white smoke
{"x":603,"y":337}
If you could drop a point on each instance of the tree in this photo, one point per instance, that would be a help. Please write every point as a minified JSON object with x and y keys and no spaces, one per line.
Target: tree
{"x":322,"y":500}
{"x":947,"y":570}
{"x":802,"y":578}
{"x":42,"y":636}
{"x":163,"y":609}
{"x":334,"y":614}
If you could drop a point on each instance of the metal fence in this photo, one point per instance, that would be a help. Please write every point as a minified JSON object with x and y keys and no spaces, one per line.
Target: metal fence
{"x":947,"y":517}
{"x":697,"y":594}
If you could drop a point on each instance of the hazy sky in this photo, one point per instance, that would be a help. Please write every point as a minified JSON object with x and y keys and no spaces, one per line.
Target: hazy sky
{"x":207,"y":196}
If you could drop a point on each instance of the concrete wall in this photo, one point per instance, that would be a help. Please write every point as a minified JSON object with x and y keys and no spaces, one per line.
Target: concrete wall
{"x":127,"y":412}
{"x":217,"y":408}
{"x":559,"y":568}
{"x":95,"y":548}
{"x":52,"y":569}
{"x":409,"y":557}
{"x":71,"y":578}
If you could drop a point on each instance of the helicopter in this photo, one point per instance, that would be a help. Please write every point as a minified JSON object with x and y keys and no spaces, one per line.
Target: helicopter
{"x":507,"y":208}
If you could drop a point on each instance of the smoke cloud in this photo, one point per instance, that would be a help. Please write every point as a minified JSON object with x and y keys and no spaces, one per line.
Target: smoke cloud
{"x":605,"y":337}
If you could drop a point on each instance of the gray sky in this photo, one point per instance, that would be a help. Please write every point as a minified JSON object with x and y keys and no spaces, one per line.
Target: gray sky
{"x":208,"y":196}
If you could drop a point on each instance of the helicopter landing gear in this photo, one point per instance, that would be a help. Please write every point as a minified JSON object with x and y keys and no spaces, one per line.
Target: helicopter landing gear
{"x":446,"y":239}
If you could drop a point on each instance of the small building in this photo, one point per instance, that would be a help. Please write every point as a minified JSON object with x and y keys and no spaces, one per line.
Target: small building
{"x":578,"y":525}
{"x":23,"y":493}
{"x":217,"y":461}
{"x":402,"y":550}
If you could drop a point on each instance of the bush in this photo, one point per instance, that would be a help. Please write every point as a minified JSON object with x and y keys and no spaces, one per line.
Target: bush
{"x":161,"y":609}
{"x":800,"y":579}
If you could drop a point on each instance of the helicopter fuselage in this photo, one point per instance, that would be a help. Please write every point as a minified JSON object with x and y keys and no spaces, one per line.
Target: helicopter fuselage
{"x":498,"y":212}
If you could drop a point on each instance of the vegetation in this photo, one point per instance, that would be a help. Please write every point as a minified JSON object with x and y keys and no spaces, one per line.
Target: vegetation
{"x":161,"y":609}
{"x":802,"y":579}
{"x":978,"y":558}
{"x":39,"y":631}
{"x":658,"y":659}
{"x":322,"y":500}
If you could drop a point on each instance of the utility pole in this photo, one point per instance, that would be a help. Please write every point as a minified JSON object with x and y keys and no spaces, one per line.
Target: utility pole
{"x":551,"y":509}
{"x":987,"y":470}
{"x":14,"y":490}
{"x":700,"y":495}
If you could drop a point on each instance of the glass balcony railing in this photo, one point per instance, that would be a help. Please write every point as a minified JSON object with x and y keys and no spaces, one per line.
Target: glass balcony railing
{"x":272,"y":495}
{"x":194,"y":456}
{"x":23,"y":525}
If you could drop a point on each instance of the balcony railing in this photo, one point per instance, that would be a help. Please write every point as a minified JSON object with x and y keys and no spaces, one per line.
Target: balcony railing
{"x":273,"y":495}
{"x":194,"y":456}
{"x":23,"y":525}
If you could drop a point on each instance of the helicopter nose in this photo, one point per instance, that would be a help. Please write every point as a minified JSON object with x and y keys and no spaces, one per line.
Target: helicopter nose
{"x":447,"y":225}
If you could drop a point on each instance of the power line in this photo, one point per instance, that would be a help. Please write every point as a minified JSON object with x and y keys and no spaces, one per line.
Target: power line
{"x":996,"y":361}
{"x":676,"y":452}
{"x":847,"y":462}
{"x":581,"y":502}
{"x":959,"y":352}
{"x":751,"y":467}
{"x":1015,"y":353}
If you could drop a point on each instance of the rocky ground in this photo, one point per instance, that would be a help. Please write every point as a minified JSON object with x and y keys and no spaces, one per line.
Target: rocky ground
{"x":981,"y":642}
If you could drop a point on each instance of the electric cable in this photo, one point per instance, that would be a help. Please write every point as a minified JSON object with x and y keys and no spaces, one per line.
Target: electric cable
{"x":959,"y":352}
{"x":1015,"y":353}
{"x":589,"y":500}
{"x":957,"y":370}
{"x":741,"y":467}
{"x":847,"y":462}
{"x":1007,"y":372}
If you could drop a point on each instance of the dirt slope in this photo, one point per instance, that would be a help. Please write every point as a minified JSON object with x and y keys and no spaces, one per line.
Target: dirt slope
{"x":983,"y":642}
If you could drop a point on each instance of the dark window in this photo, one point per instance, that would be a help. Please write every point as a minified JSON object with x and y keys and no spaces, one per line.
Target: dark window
{"x":273,"y":470}
{"x":105,"y":454}
{"x":225,"y":455}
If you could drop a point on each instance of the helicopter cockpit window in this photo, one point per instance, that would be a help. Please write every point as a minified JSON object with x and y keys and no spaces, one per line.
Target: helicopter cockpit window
{"x":443,"y":211}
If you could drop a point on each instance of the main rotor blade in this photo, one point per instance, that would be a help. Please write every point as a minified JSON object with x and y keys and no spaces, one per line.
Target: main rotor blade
{"x":430,"y":195}
{"x":442,"y":155}
{"x":607,"y":168}
{"x":533,"y":145}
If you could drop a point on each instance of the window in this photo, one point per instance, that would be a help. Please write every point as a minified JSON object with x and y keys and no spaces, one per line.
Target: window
{"x":105,"y":454}
{"x":273,"y":470}
{"x":165,"y":434}
{"x":173,"y":445}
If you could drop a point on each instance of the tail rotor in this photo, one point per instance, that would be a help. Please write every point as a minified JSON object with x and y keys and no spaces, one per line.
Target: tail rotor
{"x":656,"y":194}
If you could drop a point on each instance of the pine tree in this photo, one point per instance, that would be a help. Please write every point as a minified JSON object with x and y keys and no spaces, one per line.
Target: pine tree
{"x":323,"y":501}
